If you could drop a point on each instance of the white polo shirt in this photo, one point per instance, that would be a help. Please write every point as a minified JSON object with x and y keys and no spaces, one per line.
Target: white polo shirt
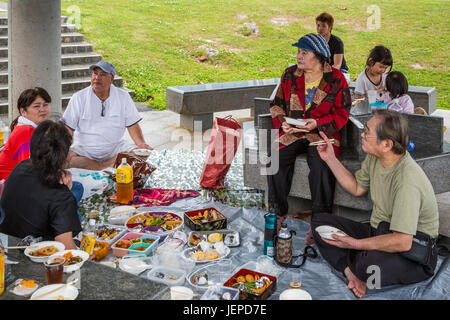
{"x":99,"y":135}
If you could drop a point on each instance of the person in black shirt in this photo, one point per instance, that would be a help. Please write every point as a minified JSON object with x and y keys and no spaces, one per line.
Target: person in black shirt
{"x":36,"y":199}
{"x":324,"y":25}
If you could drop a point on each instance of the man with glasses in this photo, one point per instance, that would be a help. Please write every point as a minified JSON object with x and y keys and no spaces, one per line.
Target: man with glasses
{"x":98,"y":116}
{"x":399,"y":243}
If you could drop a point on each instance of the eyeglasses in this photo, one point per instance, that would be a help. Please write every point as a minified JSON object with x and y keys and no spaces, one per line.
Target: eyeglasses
{"x":366,"y":130}
{"x":103,"y":108}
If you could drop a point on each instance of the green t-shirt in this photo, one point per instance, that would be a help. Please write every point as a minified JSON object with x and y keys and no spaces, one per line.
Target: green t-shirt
{"x":401,"y":195}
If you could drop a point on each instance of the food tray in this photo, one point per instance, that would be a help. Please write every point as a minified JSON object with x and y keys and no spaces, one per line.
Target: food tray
{"x":217,"y":224}
{"x":214,"y":276}
{"x":178,"y":273}
{"x":217,"y":293}
{"x":187,"y":253}
{"x":244,"y":295}
{"x":226,"y":235}
{"x":120,"y":252}
{"x":142,"y":222}
{"x":121,"y":231}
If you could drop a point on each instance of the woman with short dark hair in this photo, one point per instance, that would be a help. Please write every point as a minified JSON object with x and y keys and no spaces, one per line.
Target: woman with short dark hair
{"x":36,"y":199}
{"x":34,"y":107}
{"x":318,"y":94}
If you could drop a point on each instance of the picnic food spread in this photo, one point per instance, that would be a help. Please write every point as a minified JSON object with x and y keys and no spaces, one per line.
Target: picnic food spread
{"x":45,"y":251}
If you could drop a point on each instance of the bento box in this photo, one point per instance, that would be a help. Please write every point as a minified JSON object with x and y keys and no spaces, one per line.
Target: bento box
{"x":109,"y":233}
{"x":133,"y":243}
{"x":252,"y":285}
{"x":158,"y":223}
{"x":205,"y":219}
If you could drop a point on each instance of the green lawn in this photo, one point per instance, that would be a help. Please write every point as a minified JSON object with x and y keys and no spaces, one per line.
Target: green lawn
{"x":155,"y":44}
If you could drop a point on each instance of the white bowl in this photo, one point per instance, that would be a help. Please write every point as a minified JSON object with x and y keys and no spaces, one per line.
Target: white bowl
{"x":76,"y":253}
{"x":181,"y":293}
{"x":69,"y":292}
{"x":142,"y":152}
{"x":60,"y":246}
{"x":326,"y":232}
{"x":295,"y":294}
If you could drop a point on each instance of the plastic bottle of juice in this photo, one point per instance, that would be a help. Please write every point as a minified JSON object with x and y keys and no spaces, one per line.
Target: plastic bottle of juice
{"x":2,"y":269}
{"x":124,"y":182}
{"x":89,"y":237}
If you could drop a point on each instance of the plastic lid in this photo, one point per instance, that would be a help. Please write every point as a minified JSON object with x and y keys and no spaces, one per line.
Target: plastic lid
{"x":284,"y":225}
{"x":91,"y":222}
{"x":124,"y":160}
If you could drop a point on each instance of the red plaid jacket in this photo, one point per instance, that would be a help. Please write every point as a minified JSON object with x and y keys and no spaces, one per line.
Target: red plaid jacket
{"x":330,"y":106}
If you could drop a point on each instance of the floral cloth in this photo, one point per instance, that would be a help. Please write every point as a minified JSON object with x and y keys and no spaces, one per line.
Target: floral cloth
{"x":156,"y":197}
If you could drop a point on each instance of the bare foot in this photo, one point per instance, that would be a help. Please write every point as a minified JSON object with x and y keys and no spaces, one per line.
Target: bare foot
{"x":357,"y":286}
{"x":309,"y":240}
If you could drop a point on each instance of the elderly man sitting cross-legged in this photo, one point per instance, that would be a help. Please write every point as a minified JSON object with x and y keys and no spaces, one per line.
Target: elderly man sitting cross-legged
{"x":400,"y":240}
{"x":98,"y":116}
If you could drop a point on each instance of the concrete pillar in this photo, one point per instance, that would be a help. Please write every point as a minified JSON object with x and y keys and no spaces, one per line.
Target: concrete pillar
{"x":34,"y":51}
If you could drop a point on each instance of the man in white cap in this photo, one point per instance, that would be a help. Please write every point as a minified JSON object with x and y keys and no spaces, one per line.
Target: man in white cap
{"x":98,"y":116}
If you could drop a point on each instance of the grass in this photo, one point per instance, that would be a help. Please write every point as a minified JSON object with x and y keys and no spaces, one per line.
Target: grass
{"x":158,"y":43}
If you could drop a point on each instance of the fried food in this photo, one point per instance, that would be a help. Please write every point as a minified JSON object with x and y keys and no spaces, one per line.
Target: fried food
{"x":194,"y":239}
{"x":199,"y":255}
{"x":215,"y":237}
{"x":249,"y":278}
{"x":44,"y":252}
{"x":240,"y":279}
{"x":106,"y":233}
{"x":211,"y":255}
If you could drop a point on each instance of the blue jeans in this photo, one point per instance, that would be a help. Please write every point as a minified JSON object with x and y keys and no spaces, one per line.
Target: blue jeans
{"x":77,"y":190}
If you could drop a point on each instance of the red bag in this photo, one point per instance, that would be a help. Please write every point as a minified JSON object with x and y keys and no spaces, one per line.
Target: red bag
{"x":225,"y":137}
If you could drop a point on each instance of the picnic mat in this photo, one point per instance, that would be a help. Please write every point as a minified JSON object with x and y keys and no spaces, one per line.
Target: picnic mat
{"x":181,"y":170}
{"x":317,"y":276}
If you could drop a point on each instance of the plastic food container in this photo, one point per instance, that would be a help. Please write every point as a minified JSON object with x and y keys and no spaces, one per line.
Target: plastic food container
{"x":211,"y":275}
{"x":120,"y":232}
{"x":219,"y":223}
{"x":220,"y":293}
{"x":244,"y":295}
{"x":135,"y":264}
{"x":168,"y":276}
{"x":229,"y":237}
{"x":137,"y":237}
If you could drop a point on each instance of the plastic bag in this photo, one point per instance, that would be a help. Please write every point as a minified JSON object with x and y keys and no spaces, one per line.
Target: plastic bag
{"x":92,"y":181}
{"x":141,"y":169}
{"x":225,"y":137}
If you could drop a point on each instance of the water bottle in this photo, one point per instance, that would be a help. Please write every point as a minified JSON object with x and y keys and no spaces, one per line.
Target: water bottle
{"x":88,"y":238}
{"x":2,"y":269}
{"x":269,"y":232}
{"x":284,"y":245}
{"x":124,"y":182}
{"x":411,"y":147}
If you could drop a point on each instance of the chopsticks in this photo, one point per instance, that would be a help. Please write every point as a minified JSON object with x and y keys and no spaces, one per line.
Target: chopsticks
{"x":321,"y":143}
{"x":184,"y":293}
{"x":22,"y":247}
{"x":54,"y":290}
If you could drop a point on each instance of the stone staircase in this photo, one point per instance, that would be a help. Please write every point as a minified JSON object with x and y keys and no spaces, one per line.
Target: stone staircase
{"x":76,"y":57}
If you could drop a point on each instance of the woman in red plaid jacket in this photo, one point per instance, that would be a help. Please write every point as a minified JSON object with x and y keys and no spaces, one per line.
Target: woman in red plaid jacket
{"x":318,"y":94}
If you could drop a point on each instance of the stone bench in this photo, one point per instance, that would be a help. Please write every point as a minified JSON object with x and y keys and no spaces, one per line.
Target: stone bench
{"x":199,"y":102}
{"x":426,"y":132}
{"x":425,"y":97}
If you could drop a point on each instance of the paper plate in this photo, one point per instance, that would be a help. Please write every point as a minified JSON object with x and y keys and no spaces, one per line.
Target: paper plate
{"x":326,"y":232}
{"x":76,"y":253}
{"x":67,"y":293}
{"x":40,"y":259}
{"x":295,"y":294}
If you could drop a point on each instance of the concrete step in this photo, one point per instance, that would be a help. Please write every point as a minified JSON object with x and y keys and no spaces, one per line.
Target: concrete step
{"x":69,"y":59}
{"x":4,"y":19}
{"x":69,"y":37}
{"x":67,"y":72}
{"x":64,"y":101}
{"x":66,"y":48}
{"x":67,"y":85}
{"x":65,"y":28}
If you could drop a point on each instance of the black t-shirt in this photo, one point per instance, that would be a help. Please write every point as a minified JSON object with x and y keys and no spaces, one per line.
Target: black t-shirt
{"x":337,"y":47}
{"x":32,"y":208}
